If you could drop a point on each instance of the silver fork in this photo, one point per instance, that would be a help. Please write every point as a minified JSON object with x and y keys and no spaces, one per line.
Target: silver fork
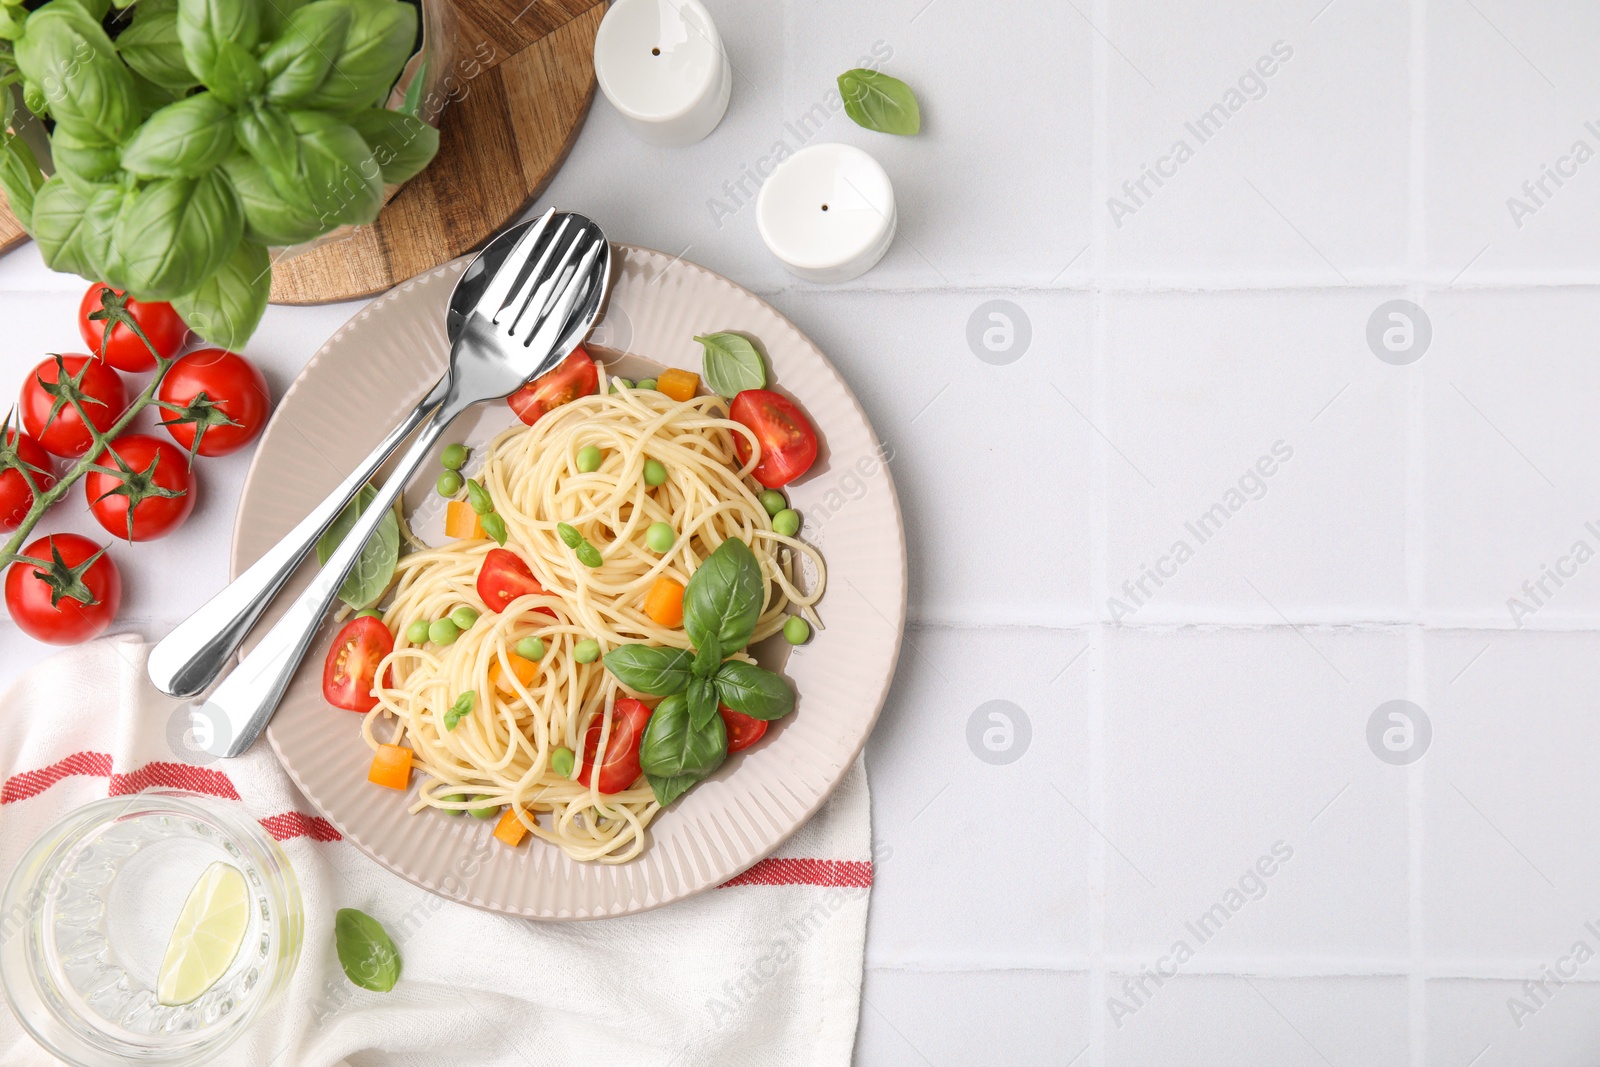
{"x":503,"y":343}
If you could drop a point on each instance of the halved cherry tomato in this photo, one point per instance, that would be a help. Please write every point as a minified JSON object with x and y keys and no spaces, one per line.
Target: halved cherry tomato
{"x":503,"y":578}
{"x":214,"y":402}
{"x":125,"y":351}
{"x":621,"y":766}
{"x":152,"y":493}
{"x":351,"y":669}
{"x":577,"y":376}
{"x":788,"y":443}
{"x":19,"y":453}
{"x":53,"y":421}
{"x":72,"y":597}
{"x":743,"y":731}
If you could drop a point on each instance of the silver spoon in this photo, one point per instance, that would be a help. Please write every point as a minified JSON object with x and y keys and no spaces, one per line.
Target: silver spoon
{"x":196,"y":652}
{"x":502,"y":343}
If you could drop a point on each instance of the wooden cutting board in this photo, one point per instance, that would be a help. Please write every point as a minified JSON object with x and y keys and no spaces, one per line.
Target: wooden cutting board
{"x":523,"y":81}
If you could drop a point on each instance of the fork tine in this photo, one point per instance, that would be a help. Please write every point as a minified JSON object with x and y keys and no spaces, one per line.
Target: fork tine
{"x":537,"y":279}
{"x":494,"y":296}
{"x":555,"y":323}
{"x":536,"y":293}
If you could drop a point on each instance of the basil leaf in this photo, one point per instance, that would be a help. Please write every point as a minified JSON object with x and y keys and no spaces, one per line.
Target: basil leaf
{"x":268,"y":217}
{"x":341,"y":182}
{"x":74,"y":229}
{"x":177,"y":232}
{"x":460,"y":709}
{"x":879,"y":102}
{"x":402,"y":145}
{"x":724,"y":598}
{"x":20,"y":177}
{"x":670,"y":788}
{"x":68,"y":57}
{"x":731,"y":364}
{"x":184,"y":139}
{"x":672,"y":745}
{"x":84,"y":158}
{"x":151,"y":47}
{"x":219,"y":39}
{"x":709,"y":658}
{"x":302,"y":58}
{"x":365,"y":952}
{"x":375,"y":566}
{"x":376,"y":47}
{"x":274,"y":17}
{"x":227,"y":307}
{"x":702,"y":697}
{"x":650,"y":669}
{"x":96,"y":9}
{"x":753,"y":690}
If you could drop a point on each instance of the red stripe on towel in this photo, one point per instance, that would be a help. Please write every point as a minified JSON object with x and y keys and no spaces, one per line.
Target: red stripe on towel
{"x":853,"y":874}
{"x":32,"y":783}
{"x":174,"y":776}
{"x":294,"y":824}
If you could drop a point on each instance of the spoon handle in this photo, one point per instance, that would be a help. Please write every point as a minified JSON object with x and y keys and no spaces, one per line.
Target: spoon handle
{"x":236,"y":713}
{"x":192,"y":656}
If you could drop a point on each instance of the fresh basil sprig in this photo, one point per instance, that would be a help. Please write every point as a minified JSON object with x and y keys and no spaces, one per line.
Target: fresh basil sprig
{"x":375,"y":566}
{"x":366,"y":953}
{"x":731,"y":364}
{"x":460,"y":709}
{"x":685,"y":739}
{"x":878,"y":102}
{"x":587,"y":554}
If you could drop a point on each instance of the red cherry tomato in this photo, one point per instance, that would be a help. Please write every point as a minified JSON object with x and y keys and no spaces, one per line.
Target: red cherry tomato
{"x":63,"y":433}
{"x":788,"y":443}
{"x":621,"y":766}
{"x":153,"y":494}
{"x":503,"y":578}
{"x":125,"y":351}
{"x":577,"y":376}
{"x":71,"y":598}
{"x":352,"y":666}
{"x":743,"y":731}
{"x":215,"y":395}
{"x":21,"y":453}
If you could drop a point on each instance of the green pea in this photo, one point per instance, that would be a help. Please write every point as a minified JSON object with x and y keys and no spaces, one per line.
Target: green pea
{"x":619,"y":384}
{"x":417,"y":632}
{"x":454,"y":798}
{"x":494,"y":526}
{"x":654,"y":472}
{"x":487,"y":811}
{"x":449,"y":483}
{"x":660,"y":537}
{"x":464,"y":617}
{"x":796,"y":630}
{"x":645,"y":383}
{"x":586,"y":651}
{"x":454,"y":457}
{"x":370,"y":613}
{"x":773,"y":501}
{"x":530,"y":648}
{"x":443,"y":632}
{"x":561,"y":761}
{"x":786,"y":522}
{"x":589,"y":457}
{"x":478,"y":497}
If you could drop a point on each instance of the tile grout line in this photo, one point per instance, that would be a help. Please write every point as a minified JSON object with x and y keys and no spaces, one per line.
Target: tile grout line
{"x":1094,"y":712}
{"x":1416,"y":570}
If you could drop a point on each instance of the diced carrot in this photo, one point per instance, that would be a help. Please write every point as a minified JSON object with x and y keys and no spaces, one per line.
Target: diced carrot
{"x":664,"y":603}
{"x":510,"y":829}
{"x":680,"y":385}
{"x":391,"y":767}
{"x":526,"y":671}
{"x":461,"y":522}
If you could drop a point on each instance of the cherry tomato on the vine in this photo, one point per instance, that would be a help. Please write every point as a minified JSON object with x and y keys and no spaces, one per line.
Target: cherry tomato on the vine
{"x":21,"y":458}
{"x":65,"y":590}
{"x":214,"y":402}
{"x":124,"y":350}
{"x":49,"y":413}
{"x":143,"y":487}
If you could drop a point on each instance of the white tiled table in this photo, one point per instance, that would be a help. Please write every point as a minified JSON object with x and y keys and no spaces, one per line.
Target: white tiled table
{"x":1177,"y":737}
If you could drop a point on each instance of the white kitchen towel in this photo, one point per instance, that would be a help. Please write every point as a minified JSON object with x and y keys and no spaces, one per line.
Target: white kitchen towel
{"x":765,"y":970}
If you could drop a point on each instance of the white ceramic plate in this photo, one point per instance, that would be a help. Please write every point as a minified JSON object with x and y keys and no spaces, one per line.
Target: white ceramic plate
{"x":376,"y":368}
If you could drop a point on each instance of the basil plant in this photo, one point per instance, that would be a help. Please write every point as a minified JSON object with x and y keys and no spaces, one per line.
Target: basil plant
{"x":204,"y":133}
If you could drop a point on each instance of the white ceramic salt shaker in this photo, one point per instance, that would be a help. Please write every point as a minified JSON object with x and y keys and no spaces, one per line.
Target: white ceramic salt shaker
{"x":662,"y":64}
{"x":827,"y":212}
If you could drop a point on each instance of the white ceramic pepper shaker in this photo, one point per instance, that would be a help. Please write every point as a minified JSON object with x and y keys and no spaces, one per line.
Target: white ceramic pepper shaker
{"x":662,"y":64}
{"x":827,"y":212}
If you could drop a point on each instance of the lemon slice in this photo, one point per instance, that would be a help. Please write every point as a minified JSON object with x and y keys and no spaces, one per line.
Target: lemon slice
{"x":207,"y":936}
